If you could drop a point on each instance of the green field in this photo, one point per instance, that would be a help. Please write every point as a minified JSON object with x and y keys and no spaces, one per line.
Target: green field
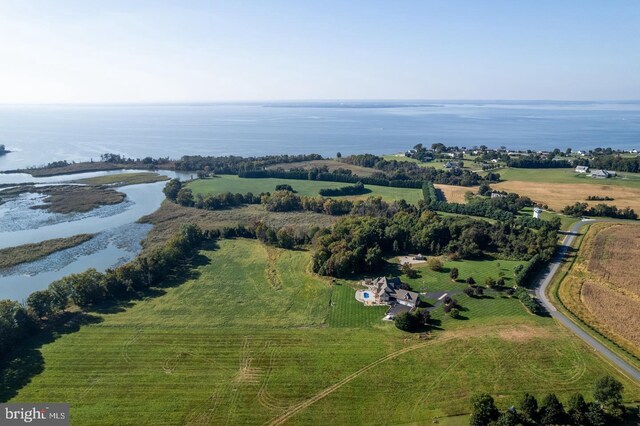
{"x":234,"y":184}
{"x":252,"y":337}
{"x":438,"y":164}
{"x":567,"y":175}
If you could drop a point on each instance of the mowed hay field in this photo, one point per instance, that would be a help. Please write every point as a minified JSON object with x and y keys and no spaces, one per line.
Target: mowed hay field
{"x":310,"y":188}
{"x":603,"y":288}
{"x":455,"y":194}
{"x":251,"y":337}
{"x":559,"y":195}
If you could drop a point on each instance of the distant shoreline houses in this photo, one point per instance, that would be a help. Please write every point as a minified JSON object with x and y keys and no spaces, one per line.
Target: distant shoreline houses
{"x":596,"y":173}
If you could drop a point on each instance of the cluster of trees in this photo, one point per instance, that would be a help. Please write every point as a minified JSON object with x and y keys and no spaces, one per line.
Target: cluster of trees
{"x":529,"y":302}
{"x":616,"y":162}
{"x":357,"y":189}
{"x":537,"y":162}
{"x":286,"y":201}
{"x":234,"y":164}
{"x":599,"y":210}
{"x":176,"y":192}
{"x":451,"y":307}
{"x":403,"y":170}
{"x":599,"y":198}
{"x":359,"y":243}
{"x":119,"y":159}
{"x":606,"y":408}
{"x":412,"y":321}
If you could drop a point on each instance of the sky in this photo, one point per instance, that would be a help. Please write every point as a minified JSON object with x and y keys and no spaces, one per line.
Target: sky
{"x":86,"y":51}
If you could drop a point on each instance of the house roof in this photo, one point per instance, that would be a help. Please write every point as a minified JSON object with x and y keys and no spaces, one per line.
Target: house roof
{"x":410,"y":296}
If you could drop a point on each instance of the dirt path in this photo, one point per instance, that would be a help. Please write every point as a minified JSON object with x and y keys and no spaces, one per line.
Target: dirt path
{"x":292,"y":411}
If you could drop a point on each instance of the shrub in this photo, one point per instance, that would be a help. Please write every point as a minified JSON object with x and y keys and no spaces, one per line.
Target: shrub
{"x":435,"y":264}
{"x":406,"y":321}
{"x":471,"y":281}
{"x":454,"y":313}
{"x":469,"y":291}
{"x":284,"y":187}
{"x":453,"y":274}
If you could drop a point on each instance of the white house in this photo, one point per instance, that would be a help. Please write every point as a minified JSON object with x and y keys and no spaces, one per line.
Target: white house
{"x":582,"y":169}
{"x":537,"y":211}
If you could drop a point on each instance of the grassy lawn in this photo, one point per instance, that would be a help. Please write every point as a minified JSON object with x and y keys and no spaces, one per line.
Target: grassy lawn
{"x":252,"y":337}
{"x":234,"y":184}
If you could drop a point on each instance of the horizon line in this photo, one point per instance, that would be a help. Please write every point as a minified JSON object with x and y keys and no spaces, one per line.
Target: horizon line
{"x":277,"y":101}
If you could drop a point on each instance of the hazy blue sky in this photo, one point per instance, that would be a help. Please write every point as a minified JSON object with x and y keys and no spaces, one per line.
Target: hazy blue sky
{"x":150,"y":51}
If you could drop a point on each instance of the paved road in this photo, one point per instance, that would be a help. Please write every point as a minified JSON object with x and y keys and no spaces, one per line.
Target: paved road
{"x":546,"y":279}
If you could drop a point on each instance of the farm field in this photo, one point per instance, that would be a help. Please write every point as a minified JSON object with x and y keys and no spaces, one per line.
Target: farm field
{"x":567,"y":175}
{"x":559,"y":195}
{"x":455,"y":194}
{"x":252,"y":337}
{"x":602,"y":288}
{"x":234,"y":184}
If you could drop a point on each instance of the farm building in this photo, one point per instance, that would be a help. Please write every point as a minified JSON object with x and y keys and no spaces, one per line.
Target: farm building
{"x":582,"y":169}
{"x":537,"y":211}
{"x":602,"y":174}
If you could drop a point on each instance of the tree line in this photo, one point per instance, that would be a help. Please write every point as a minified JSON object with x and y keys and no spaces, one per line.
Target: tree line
{"x":599,"y":210}
{"x":357,"y":189}
{"x":606,"y":408}
{"x":232,"y":164}
{"x":537,"y":162}
{"x":615,"y":162}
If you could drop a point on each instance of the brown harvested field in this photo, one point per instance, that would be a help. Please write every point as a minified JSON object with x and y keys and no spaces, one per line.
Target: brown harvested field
{"x":618,"y":312}
{"x":455,"y":194}
{"x":170,"y":216}
{"x":559,"y":195}
{"x":615,"y":257}
{"x":603,"y":288}
{"x":331,"y":164}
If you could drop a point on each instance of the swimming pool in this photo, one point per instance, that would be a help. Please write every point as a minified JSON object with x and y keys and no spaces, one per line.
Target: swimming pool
{"x":366,"y":295}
